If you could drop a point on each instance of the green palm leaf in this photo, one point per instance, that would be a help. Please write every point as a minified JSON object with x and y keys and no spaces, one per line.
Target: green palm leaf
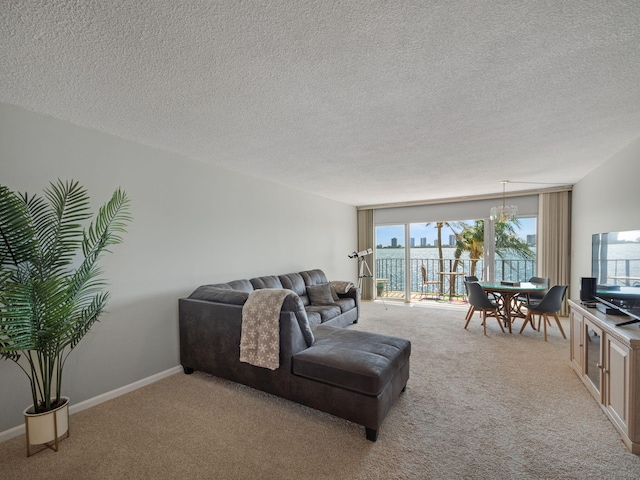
{"x":46,"y":305}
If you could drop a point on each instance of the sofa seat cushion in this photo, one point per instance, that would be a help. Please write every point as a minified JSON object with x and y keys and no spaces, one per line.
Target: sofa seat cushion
{"x":326,"y":312}
{"x":346,"y":304}
{"x":314,"y":317}
{"x":363,"y":362}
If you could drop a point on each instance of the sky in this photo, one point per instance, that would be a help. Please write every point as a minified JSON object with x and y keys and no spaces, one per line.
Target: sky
{"x":384,"y":234}
{"x":630,"y":236}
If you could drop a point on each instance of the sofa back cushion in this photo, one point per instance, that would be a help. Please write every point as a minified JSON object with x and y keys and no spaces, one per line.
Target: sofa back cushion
{"x":244,"y":285}
{"x":313,"y":277}
{"x":270,"y":281}
{"x":212,"y":293}
{"x":295,"y":282}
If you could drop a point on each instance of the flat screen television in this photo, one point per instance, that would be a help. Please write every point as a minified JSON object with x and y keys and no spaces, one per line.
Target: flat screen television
{"x":615,"y":264}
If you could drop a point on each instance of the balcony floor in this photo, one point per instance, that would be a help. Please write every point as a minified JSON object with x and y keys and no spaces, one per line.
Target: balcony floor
{"x":426,"y":300}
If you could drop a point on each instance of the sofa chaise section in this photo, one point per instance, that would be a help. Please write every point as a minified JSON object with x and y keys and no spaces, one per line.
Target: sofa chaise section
{"x":351,"y":374}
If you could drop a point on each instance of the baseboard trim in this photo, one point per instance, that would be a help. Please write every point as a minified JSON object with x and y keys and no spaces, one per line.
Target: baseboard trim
{"x":92,"y":402}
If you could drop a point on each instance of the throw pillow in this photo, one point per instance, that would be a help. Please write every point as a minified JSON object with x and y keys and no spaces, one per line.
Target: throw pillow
{"x":320,"y":294}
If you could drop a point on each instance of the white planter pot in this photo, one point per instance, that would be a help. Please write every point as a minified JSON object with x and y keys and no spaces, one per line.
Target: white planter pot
{"x":48,"y":427}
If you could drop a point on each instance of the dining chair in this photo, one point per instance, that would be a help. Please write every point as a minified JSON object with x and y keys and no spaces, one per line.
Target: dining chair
{"x":473,"y":278}
{"x":479,"y":302}
{"x":469,"y":278}
{"x":550,"y":304}
{"x":525,"y":298}
{"x":426,"y":283}
{"x":539,"y":295}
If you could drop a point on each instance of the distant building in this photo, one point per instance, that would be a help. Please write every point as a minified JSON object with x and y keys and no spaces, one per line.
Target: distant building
{"x":531,"y":240}
{"x":452,"y":240}
{"x":394,"y":242}
{"x":423,"y":242}
{"x":435,"y":243}
{"x":413,"y":242}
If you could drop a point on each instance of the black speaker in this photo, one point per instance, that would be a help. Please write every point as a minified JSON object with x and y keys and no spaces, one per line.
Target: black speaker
{"x":587,"y":288}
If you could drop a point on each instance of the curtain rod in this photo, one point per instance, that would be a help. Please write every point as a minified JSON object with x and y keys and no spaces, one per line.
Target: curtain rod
{"x":488,"y":196}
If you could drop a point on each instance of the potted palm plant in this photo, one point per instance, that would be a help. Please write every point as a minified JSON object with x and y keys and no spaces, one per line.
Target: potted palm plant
{"x":51,"y":290}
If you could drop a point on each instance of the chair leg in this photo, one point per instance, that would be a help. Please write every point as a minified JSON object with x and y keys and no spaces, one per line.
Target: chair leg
{"x":555,"y":315}
{"x":469,"y":313}
{"x":545,"y":320}
{"x":527,"y":319}
{"x":483,"y":314}
{"x":469,"y":316}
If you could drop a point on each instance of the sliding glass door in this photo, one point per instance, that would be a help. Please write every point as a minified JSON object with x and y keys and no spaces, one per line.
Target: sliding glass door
{"x":390,"y":261}
{"x":432,"y":264}
{"x":440,"y":258}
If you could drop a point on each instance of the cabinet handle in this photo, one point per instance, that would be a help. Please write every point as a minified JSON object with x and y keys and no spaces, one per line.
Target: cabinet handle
{"x":601,"y":367}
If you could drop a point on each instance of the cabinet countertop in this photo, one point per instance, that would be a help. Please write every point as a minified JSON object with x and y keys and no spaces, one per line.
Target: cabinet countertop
{"x":630,"y":333}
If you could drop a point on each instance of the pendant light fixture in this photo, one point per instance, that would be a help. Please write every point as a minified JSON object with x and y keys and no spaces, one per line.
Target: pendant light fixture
{"x":504,"y":213}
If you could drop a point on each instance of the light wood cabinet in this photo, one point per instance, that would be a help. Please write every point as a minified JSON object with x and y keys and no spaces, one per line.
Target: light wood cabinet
{"x":593,"y":358}
{"x":575,"y":336}
{"x":607,"y":360}
{"x":616,"y":377}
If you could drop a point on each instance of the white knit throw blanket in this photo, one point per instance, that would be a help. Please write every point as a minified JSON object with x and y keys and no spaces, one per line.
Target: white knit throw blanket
{"x":260,"y":337}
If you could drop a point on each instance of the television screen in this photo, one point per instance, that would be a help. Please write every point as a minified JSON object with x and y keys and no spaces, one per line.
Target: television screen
{"x":615,"y":263}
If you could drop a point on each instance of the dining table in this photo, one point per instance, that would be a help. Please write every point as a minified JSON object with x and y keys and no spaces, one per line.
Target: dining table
{"x":506,"y":296}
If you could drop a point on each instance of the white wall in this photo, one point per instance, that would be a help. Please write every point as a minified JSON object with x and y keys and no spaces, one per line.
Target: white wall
{"x":606,"y":200}
{"x":192,"y":224}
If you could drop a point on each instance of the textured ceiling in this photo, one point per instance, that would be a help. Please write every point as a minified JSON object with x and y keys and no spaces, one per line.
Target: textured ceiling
{"x":362,"y":101}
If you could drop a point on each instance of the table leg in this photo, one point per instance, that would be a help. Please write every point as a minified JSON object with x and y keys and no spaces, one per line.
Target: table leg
{"x":505,"y":300}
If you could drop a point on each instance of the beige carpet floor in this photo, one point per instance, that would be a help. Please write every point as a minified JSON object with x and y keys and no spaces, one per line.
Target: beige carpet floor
{"x":501,"y":406}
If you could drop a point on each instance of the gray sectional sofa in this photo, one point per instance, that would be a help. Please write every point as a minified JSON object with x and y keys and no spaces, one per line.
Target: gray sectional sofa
{"x":351,"y":374}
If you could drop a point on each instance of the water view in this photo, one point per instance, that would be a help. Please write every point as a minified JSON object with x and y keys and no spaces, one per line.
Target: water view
{"x":623,"y":263}
{"x":514,"y":245}
{"x":390,"y":266}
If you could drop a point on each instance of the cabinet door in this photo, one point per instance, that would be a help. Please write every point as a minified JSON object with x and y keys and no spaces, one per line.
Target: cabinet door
{"x":617,"y":381}
{"x":576,"y":351}
{"x":593,"y":355}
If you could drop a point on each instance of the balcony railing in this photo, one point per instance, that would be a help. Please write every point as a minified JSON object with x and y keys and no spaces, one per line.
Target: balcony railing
{"x":390,"y":273}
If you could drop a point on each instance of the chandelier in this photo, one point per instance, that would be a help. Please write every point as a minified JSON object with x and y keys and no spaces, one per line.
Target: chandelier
{"x":504,"y":213}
